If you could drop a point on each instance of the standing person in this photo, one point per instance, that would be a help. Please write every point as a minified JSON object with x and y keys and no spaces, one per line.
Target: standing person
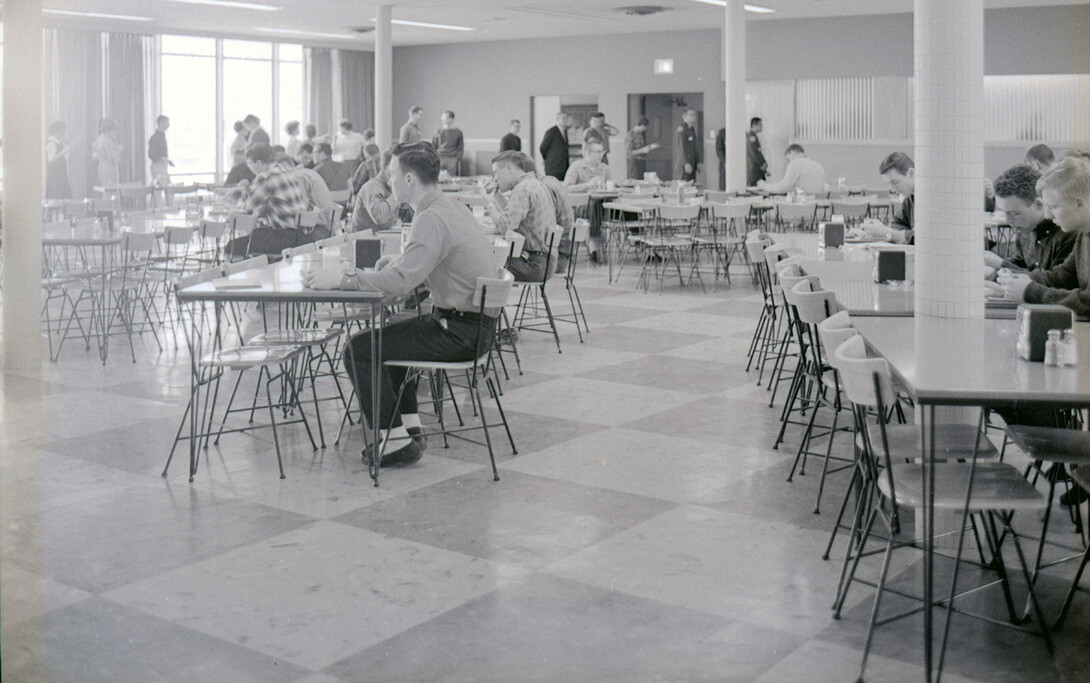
{"x":756,"y":166}
{"x":688,"y":147}
{"x":449,"y":144}
{"x":554,"y":147}
{"x":56,"y":162}
{"x":512,"y":142}
{"x":107,"y":152}
{"x":157,"y":152}
{"x":348,"y":145}
{"x":721,"y":153}
{"x":599,"y":131}
{"x":257,"y":133}
{"x":311,"y":135}
{"x":446,"y":250}
{"x":294,"y":140}
{"x":410,"y":132}
{"x":242,"y":139}
{"x":636,"y":145}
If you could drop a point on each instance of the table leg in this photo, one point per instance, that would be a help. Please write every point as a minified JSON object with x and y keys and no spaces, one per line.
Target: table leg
{"x":928,"y":473}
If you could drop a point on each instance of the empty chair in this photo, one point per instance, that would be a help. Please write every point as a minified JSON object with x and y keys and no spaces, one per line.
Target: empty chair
{"x":798,"y":214}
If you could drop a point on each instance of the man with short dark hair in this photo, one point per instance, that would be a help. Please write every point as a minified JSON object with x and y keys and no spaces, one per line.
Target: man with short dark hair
{"x":899,"y":171}
{"x":688,"y":147}
{"x":277,"y":198}
{"x":802,"y":174}
{"x":446,"y":250}
{"x":1040,"y":157}
{"x":306,"y":155}
{"x":554,"y":147}
{"x":258,"y":135}
{"x":1038,"y":243}
{"x":756,"y":166}
{"x":157,"y":152}
{"x":522,"y":203}
{"x":335,"y":175}
{"x":239,"y":171}
{"x":512,"y":142}
{"x":449,"y":144}
{"x":372,"y":164}
{"x":410,"y":132}
{"x":636,"y":145}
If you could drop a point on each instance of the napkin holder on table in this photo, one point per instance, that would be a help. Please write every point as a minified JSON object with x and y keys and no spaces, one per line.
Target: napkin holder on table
{"x":831,"y":234}
{"x":368,"y":252}
{"x":890,"y":265}
{"x":1034,"y":322}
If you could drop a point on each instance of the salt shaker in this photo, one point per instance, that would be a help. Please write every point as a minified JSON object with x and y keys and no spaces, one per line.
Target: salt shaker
{"x":1053,"y":352}
{"x":1069,"y":349}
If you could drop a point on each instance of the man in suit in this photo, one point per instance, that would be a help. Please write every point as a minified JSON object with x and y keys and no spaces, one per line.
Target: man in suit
{"x":756,"y":166}
{"x":721,"y":152}
{"x":554,"y":148}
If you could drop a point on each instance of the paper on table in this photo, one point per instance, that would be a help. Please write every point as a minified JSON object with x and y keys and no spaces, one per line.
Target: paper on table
{"x":237,"y":283}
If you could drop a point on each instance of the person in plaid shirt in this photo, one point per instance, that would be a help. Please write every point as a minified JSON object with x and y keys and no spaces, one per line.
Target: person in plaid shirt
{"x":277,"y":198}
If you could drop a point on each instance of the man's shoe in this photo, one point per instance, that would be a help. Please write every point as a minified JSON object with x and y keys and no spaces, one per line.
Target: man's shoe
{"x":418,"y":435}
{"x":406,"y":455}
{"x":1076,"y":495}
{"x":507,"y":337}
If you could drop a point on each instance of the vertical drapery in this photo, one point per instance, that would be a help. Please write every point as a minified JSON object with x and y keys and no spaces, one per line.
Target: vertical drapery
{"x":125,"y":101}
{"x":358,"y":88}
{"x":318,"y":65}
{"x":153,"y":98}
{"x":72,"y":92}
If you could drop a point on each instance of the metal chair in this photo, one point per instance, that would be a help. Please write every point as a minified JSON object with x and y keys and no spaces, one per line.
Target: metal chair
{"x":533,"y":311}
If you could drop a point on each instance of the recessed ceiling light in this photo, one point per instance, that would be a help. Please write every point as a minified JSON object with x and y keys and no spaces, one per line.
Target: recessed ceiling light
{"x":424,"y":24}
{"x":756,"y":9}
{"x":309,"y":34}
{"x":95,"y":15}
{"x":234,"y":4}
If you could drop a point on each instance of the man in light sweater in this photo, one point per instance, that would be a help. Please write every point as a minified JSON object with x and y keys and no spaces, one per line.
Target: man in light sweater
{"x":802,"y":173}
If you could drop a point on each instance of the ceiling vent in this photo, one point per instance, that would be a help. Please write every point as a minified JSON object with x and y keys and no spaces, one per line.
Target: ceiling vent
{"x":642,"y":10}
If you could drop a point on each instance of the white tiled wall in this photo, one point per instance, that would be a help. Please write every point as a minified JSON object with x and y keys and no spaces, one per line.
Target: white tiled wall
{"x":949,"y":67}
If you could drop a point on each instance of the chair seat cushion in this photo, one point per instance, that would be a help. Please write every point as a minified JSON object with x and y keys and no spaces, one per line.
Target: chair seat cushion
{"x":996,"y":486}
{"x":1052,"y":444}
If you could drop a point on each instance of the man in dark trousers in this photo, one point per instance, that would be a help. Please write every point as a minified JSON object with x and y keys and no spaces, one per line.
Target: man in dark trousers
{"x":688,"y":147}
{"x":756,"y":166}
{"x":512,"y":142}
{"x":554,"y":148}
{"x":721,"y":152}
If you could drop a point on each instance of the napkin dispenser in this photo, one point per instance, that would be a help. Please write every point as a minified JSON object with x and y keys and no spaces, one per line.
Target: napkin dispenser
{"x":831,"y":234}
{"x":368,"y":252}
{"x":1034,"y":322}
{"x":890,"y":265}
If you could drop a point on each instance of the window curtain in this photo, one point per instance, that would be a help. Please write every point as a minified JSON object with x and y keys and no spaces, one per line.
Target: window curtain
{"x":72,"y":86}
{"x":318,"y":67}
{"x":125,"y":101}
{"x":358,"y":88}
{"x":153,"y":97}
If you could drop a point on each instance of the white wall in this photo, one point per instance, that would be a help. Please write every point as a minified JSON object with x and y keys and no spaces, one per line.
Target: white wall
{"x":489,"y":83}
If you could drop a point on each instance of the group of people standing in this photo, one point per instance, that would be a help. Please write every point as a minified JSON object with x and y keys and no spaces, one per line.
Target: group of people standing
{"x":105,"y":154}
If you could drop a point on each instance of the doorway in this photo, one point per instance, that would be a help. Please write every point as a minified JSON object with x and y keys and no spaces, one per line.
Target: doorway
{"x":663,"y":112}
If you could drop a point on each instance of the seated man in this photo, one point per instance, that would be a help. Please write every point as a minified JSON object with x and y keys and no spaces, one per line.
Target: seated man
{"x":318,"y":196}
{"x":588,"y":173}
{"x":276,"y":197}
{"x":335,"y":175}
{"x":899,"y":171}
{"x":1040,"y":157}
{"x":448,"y":251}
{"x":565,"y":216}
{"x":1038,"y":243}
{"x":240,"y":170}
{"x":372,"y":164}
{"x":1065,"y":194}
{"x":305,"y":155}
{"x":375,"y":207}
{"x":528,"y":210}
{"x":802,"y":173}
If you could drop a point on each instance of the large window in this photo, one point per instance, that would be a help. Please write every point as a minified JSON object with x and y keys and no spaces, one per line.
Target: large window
{"x":192,"y":70}
{"x":189,"y":99}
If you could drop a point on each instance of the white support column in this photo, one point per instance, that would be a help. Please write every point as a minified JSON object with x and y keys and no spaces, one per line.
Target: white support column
{"x":949,"y":155}
{"x":23,"y":161}
{"x":384,"y":79}
{"x":734,"y":74}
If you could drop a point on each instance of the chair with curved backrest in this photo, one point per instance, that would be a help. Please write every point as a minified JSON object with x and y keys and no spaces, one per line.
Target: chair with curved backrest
{"x":671,"y":239}
{"x":894,"y":478}
{"x":717,"y":196}
{"x":792,"y":213}
{"x":853,"y":210}
{"x":764,"y":332}
{"x":489,"y":294}
{"x":533,"y":311}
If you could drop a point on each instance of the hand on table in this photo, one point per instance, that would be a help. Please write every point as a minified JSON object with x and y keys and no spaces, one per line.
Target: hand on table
{"x":1014,"y":284}
{"x":994,"y":289}
{"x":325,"y":277}
{"x":993,"y":260}
{"x":876,"y":228}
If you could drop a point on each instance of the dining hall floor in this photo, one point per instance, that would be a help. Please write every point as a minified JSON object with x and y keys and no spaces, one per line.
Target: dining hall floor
{"x":644,"y":532}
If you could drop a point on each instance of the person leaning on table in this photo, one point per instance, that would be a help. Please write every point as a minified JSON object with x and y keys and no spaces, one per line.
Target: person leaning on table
{"x":899,"y":171}
{"x":1038,"y":244}
{"x":448,"y":251}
